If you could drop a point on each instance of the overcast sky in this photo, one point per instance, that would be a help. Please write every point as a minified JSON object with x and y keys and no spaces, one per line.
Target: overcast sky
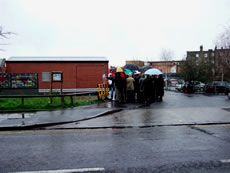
{"x":117,"y":29}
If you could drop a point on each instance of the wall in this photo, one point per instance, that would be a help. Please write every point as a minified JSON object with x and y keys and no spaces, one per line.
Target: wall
{"x":75,"y":74}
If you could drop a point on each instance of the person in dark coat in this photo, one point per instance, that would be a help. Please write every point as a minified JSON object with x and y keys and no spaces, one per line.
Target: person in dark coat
{"x":120,"y":85}
{"x":147,"y":83}
{"x":137,"y":88}
{"x":160,"y":87}
{"x":153,"y":88}
{"x":141,"y":96}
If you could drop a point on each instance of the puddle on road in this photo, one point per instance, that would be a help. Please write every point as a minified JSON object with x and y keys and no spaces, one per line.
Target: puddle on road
{"x":16,"y":116}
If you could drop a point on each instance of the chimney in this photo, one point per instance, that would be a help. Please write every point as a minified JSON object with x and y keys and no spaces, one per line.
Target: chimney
{"x":201,"y":48}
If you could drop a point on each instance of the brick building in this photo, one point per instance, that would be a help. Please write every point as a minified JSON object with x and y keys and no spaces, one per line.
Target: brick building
{"x":217,"y":59}
{"x":163,"y":66}
{"x":166,"y":66}
{"x":79,"y":73}
{"x":138,"y":63}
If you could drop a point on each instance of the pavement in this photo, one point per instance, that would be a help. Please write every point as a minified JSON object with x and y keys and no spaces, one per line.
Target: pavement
{"x":31,"y":120}
{"x":176,"y":109}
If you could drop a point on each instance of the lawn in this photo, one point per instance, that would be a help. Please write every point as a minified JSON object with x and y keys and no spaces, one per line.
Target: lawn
{"x":43,"y":103}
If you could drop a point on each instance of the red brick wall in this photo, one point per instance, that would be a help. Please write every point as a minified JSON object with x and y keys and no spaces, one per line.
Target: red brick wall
{"x":75,"y":74}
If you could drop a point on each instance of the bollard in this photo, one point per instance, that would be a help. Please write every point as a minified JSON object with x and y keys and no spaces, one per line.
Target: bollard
{"x":62,"y":100}
{"x":22,"y":100}
{"x":51,"y":100}
{"x":71,"y":100}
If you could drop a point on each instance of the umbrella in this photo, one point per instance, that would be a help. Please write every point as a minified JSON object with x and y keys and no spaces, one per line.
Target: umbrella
{"x":121,"y":69}
{"x":132,"y":67}
{"x":153,"y":71}
{"x":145,"y":68}
{"x":127,"y":71}
{"x":118,"y":69}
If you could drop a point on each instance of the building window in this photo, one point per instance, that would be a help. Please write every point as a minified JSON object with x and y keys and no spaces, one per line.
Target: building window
{"x":45,"y":76}
{"x":213,"y":54}
{"x":206,"y":55}
{"x":197,"y":55}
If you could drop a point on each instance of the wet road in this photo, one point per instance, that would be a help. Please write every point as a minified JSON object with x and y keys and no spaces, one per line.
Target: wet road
{"x":158,"y":149}
{"x":176,"y":109}
{"x":159,"y":138}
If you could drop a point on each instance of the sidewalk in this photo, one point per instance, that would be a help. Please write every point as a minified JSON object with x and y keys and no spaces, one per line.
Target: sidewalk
{"x":26,"y":121}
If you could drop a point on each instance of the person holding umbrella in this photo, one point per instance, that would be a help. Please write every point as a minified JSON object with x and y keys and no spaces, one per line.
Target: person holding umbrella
{"x":146,"y":85}
{"x":160,"y":87}
{"x":120,"y":85}
{"x":130,"y":88}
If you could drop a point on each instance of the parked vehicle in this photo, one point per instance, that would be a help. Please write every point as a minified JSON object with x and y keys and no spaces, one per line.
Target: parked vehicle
{"x":186,"y":87}
{"x":198,"y":86}
{"x":216,"y":87}
{"x":173,"y":82}
{"x":190,"y":87}
{"x":227,"y":88}
{"x":180,"y":85}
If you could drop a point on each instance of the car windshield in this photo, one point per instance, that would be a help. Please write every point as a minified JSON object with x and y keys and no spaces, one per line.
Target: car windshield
{"x":219,"y":83}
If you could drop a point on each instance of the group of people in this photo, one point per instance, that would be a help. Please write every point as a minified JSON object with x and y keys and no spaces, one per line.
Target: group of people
{"x":136,"y":88}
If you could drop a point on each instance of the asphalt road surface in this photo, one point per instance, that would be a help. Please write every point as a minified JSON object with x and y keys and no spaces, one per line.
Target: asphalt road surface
{"x":150,"y":144}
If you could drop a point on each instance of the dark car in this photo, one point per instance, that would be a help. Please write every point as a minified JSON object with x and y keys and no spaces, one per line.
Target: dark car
{"x":227,"y":88}
{"x":216,"y":87}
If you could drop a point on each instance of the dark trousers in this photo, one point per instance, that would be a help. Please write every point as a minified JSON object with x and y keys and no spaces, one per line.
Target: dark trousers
{"x":130,"y":96}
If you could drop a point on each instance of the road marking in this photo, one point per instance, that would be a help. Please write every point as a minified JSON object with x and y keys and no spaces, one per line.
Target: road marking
{"x":225,"y":161}
{"x":66,"y":170}
{"x":212,"y":125}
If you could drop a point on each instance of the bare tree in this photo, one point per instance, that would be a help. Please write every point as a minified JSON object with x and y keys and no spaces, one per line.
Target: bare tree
{"x":223,"y":39}
{"x":4,"y":35}
{"x":223,"y":53}
{"x":166,"y":56}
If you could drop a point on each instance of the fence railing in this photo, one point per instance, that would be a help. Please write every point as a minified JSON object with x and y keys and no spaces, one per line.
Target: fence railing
{"x":102,"y":92}
{"x":62,"y":96}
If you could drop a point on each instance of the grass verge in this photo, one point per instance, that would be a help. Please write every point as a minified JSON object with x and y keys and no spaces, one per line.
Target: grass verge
{"x":43,"y":103}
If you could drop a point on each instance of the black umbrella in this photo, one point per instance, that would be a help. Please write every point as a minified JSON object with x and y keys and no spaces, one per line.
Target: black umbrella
{"x":132,"y":67}
{"x":145,"y":68}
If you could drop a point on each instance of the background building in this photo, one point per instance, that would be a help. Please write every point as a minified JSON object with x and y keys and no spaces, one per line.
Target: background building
{"x":138,"y":63}
{"x":218,"y":60}
{"x":163,"y":66}
{"x":166,"y":66}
